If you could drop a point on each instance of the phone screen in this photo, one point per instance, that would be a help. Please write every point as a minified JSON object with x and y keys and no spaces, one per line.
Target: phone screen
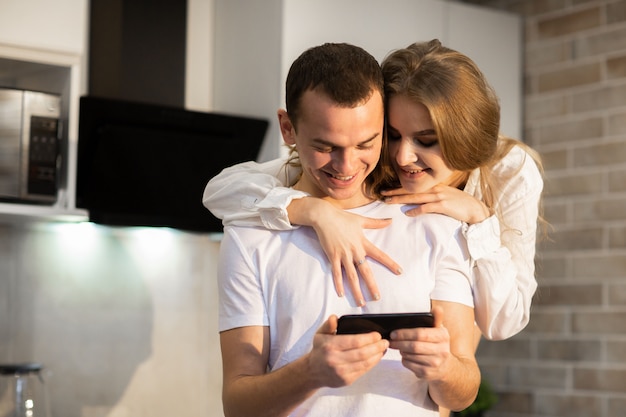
{"x":382,"y":323}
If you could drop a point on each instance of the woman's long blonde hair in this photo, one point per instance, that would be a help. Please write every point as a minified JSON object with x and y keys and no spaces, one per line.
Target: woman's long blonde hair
{"x":464,"y":110}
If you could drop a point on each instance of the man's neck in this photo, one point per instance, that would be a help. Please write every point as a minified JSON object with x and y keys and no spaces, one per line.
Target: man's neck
{"x":358,"y":200}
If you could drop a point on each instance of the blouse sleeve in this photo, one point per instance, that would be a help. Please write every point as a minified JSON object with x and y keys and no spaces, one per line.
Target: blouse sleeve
{"x":503,"y":254}
{"x":253,"y":194}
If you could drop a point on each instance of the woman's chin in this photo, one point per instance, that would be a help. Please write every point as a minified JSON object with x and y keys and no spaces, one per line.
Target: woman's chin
{"x":413,"y":187}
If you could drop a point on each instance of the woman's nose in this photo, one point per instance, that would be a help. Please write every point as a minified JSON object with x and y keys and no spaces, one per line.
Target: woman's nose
{"x":406,"y":153}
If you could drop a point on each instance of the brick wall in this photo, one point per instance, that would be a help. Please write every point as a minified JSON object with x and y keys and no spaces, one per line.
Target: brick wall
{"x":571,"y":359}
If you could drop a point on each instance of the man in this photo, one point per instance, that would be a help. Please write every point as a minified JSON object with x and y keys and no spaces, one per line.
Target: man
{"x":278,"y":307}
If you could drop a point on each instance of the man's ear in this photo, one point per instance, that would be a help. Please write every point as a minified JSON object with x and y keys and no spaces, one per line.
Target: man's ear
{"x":287,"y":128}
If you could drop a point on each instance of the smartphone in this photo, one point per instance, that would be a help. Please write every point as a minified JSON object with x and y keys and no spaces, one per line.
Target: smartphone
{"x":382,"y":323}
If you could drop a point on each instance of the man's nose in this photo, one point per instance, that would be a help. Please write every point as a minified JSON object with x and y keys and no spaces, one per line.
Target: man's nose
{"x":345,"y":160}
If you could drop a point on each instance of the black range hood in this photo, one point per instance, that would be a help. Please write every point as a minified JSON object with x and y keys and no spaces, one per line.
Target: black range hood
{"x":143,"y":164}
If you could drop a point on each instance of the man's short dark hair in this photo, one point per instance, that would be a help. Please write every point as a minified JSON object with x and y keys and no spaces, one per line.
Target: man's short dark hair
{"x":347,"y":74}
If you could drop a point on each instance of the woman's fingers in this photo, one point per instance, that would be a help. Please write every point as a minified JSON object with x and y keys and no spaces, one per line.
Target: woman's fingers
{"x":352,"y":275}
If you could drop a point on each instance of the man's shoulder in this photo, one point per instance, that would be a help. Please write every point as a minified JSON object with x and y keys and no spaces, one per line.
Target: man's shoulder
{"x":396,"y":212}
{"x":258,"y":236}
{"x":437,"y":223}
{"x":399,"y":210}
{"x":248,"y":230}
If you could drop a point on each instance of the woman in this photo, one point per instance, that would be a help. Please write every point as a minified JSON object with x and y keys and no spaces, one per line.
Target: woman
{"x":445,"y":153}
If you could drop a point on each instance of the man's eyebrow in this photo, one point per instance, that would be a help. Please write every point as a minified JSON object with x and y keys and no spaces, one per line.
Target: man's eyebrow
{"x":321,"y":141}
{"x":371,"y":138}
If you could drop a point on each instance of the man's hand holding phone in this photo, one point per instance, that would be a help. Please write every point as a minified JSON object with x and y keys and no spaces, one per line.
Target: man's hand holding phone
{"x":336,"y":362}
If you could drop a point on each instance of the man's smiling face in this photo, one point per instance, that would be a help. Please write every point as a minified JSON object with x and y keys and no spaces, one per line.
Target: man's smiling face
{"x":338,"y":146}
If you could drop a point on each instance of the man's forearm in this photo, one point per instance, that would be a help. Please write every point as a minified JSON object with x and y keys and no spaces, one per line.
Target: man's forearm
{"x":458,"y":390}
{"x":274,"y":394}
{"x":459,"y":376}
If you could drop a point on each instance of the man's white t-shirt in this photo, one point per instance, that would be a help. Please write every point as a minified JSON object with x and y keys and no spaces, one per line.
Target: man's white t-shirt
{"x":282,"y":279}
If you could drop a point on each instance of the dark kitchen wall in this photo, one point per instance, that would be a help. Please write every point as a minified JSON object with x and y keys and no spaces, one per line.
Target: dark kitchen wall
{"x":137,"y":50}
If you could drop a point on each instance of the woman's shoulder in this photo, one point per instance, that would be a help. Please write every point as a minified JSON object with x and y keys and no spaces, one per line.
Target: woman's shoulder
{"x":517,"y":160}
{"x":518,"y":169}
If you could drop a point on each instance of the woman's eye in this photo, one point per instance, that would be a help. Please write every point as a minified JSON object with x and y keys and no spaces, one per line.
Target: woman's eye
{"x":393,"y":136}
{"x":426,"y":142}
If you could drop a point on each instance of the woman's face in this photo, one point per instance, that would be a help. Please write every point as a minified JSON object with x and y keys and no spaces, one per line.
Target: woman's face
{"x":413,"y":146}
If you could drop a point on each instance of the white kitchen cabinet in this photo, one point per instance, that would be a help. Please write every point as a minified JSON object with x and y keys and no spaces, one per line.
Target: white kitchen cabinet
{"x":57,"y":25}
{"x":256,"y":42}
{"x":42,"y":47}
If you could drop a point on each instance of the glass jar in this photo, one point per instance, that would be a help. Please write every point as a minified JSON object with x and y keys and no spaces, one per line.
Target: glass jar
{"x":23,"y":391}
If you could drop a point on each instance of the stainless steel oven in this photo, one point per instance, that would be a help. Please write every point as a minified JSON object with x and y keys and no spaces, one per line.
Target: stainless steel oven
{"x":29,"y":146}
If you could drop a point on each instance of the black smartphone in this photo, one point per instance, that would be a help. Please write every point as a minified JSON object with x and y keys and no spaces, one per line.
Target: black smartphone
{"x":382,"y":323}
